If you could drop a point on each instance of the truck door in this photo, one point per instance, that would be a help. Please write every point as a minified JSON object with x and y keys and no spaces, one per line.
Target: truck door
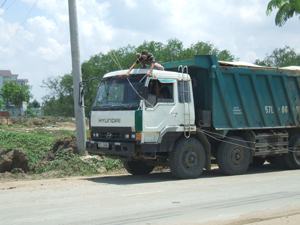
{"x":161,"y":113}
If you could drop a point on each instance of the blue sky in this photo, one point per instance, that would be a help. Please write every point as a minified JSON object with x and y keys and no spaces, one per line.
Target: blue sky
{"x":35,"y":43}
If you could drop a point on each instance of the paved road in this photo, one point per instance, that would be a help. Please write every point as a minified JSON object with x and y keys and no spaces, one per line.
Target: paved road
{"x":153,"y":199}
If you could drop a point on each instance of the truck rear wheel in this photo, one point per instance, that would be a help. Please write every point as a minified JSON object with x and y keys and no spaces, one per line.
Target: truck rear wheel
{"x":188,"y":159}
{"x":292,"y":159}
{"x":137,"y":167}
{"x":233,"y":156}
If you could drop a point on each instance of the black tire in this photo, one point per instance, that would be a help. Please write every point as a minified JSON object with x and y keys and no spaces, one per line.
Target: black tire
{"x":258,"y":162}
{"x":292,"y":159}
{"x":233,"y":156}
{"x":136,"y":167}
{"x":188,"y":159}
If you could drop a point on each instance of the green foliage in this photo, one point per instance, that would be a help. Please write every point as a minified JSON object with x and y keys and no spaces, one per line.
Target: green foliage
{"x":281,"y":57}
{"x":60,"y":100}
{"x":286,"y":10}
{"x":67,"y":163}
{"x":15,"y":93}
{"x":34,"y":104}
{"x":62,"y":106}
{"x":1,"y":104}
{"x":33,"y":109}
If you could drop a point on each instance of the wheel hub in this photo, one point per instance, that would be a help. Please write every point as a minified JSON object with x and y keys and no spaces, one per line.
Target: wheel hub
{"x":190,"y":159}
{"x":237,"y":156}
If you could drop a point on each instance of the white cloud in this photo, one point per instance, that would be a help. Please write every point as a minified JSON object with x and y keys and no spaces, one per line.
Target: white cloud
{"x":131,"y":4}
{"x":52,"y":51}
{"x":41,"y":24}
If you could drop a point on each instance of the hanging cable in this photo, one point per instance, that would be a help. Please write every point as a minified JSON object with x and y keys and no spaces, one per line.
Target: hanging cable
{"x":228,"y":142}
{"x":117,"y":60}
{"x":223,"y":136}
{"x":289,"y":149}
{"x":3,"y":3}
{"x":23,"y":21}
{"x":8,"y":6}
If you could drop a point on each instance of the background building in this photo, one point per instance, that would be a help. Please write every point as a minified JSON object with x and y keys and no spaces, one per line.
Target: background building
{"x":7,"y":75}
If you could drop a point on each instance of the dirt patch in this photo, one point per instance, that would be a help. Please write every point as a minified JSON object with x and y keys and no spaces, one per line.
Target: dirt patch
{"x":14,"y":161}
{"x":41,"y":121}
{"x":65,"y":145}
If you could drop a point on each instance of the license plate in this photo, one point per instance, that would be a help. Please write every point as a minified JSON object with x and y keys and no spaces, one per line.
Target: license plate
{"x":103,"y":145}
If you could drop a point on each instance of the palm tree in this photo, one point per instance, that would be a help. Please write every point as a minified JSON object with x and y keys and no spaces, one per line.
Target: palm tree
{"x":286,"y":10}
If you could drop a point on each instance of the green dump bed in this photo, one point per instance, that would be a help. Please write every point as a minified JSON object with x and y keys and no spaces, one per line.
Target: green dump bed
{"x":230,"y":96}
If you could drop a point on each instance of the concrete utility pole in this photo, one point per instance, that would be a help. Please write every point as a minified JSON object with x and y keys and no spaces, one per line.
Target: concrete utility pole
{"x":76,"y":73}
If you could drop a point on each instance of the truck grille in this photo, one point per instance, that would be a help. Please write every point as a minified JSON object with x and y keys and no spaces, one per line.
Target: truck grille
{"x":111,"y":133}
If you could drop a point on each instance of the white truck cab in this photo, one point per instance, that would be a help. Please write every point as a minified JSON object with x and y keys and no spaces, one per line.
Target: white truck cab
{"x":138,"y":117}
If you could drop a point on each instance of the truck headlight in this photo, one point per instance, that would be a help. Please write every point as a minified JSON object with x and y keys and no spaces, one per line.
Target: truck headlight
{"x":138,"y":136}
{"x":133,"y":136}
{"x":126,"y":136}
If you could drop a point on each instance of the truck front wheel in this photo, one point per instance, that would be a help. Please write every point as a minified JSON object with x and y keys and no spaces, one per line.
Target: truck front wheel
{"x":187,"y":160}
{"x":137,"y":167}
{"x":233,"y":156}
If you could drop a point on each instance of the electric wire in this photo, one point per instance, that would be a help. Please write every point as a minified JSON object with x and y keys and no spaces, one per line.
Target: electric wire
{"x":120,"y":66}
{"x":29,"y":11}
{"x":114,"y":60}
{"x":9,"y":6}
{"x":3,"y":3}
{"x":23,"y":21}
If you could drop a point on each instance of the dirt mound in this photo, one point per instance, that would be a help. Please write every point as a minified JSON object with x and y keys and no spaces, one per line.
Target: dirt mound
{"x":13,"y":160}
{"x":68,"y":142}
{"x":65,"y":145}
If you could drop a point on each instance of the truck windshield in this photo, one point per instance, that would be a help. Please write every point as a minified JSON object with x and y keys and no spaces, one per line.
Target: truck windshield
{"x":116,"y":93}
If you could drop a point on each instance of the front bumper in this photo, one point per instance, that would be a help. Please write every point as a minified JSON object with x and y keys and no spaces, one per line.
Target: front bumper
{"x":122,"y":149}
{"x":126,"y":149}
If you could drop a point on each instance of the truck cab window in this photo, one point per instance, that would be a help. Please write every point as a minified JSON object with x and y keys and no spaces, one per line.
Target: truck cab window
{"x":159,"y":92}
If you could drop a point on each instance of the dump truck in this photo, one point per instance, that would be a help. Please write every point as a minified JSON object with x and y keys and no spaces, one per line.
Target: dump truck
{"x":197,"y":112}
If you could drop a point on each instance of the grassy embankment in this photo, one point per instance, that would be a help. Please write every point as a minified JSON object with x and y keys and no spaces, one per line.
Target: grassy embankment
{"x":37,"y":141}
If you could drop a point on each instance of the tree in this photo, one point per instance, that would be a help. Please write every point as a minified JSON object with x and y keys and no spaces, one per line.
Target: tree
{"x":59,"y":102}
{"x":286,"y":10}
{"x":281,"y":57}
{"x":1,"y":104}
{"x":34,"y":104}
{"x":14,"y":93}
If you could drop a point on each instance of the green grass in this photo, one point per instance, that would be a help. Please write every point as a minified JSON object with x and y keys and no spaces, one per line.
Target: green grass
{"x":38,"y":142}
{"x":34,"y":143}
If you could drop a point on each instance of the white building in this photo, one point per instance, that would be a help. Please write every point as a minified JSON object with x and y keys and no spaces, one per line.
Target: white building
{"x":7,"y":75}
